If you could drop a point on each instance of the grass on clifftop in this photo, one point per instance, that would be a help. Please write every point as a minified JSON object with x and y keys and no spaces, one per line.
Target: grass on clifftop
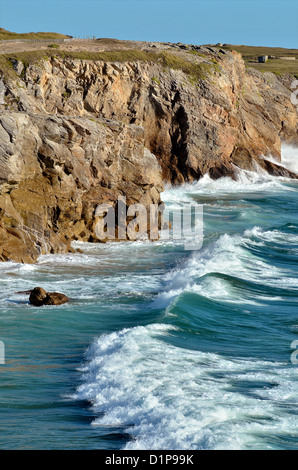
{"x":7,"y":35}
{"x":278,"y":66}
{"x":164,"y":59}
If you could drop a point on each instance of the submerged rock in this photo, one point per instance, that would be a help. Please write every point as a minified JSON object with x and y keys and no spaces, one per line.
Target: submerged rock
{"x":40,"y":296}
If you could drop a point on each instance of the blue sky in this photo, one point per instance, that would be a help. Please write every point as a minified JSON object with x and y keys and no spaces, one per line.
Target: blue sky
{"x":250,"y":22}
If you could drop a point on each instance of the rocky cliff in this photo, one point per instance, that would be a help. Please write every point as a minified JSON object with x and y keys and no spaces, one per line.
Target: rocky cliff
{"x":56,"y":170}
{"x":75,"y":133}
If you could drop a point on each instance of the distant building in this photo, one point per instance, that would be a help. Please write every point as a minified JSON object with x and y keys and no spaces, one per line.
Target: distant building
{"x":263,"y":58}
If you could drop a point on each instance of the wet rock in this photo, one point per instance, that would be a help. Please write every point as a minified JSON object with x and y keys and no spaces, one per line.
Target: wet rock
{"x":39,"y":297}
{"x":277,"y":170}
{"x":55,"y":298}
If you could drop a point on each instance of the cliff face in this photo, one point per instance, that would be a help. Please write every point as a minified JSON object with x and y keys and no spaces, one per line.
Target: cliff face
{"x":76,"y":133}
{"x":55,"y":171}
{"x":192,"y":124}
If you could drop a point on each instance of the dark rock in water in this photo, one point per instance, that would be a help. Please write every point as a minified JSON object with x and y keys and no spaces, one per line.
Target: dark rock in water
{"x":39,"y":297}
{"x":278,"y":170}
{"x":222,"y":170}
{"x":55,"y":298}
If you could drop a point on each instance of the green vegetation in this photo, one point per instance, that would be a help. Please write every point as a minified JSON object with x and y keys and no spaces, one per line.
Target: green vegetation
{"x":196,"y":53}
{"x":215,"y":65}
{"x":54,"y":46}
{"x":278,"y":66}
{"x":112,"y":42}
{"x":6,"y":68}
{"x":155,"y":80}
{"x":66,"y":95}
{"x":28,"y":57}
{"x":196,"y":71}
{"x":7,"y":35}
{"x":166,"y":60}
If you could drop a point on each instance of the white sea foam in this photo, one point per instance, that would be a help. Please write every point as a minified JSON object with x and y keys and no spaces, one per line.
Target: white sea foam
{"x":171,"y":398}
{"x":289,"y":158}
{"x":247,"y":181}
{"x":168,"y":397}
{"x":229,"y":255}
{"x":164,"y":396}
{"x":272,"y":236}
{"x":11,"y":267}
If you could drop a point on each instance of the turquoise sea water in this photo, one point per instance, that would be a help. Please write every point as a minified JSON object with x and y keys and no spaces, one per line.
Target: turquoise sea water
{"x":162,"y":348}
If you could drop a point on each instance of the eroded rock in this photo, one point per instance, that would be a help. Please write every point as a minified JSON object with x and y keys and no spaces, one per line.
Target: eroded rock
{"x":227,"y":114}
{"x":55,"y":171}
{"x":75,"y":134}
{"x":39,"y":297}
